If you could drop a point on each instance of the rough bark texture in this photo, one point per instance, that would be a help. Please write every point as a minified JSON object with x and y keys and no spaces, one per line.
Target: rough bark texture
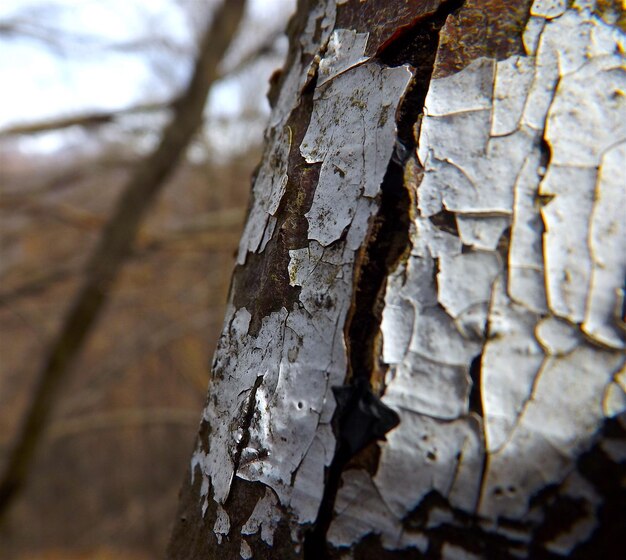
{"x":424,"y":350}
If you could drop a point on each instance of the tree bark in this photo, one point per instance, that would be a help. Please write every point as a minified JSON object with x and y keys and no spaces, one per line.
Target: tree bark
{"x":423,"y":354}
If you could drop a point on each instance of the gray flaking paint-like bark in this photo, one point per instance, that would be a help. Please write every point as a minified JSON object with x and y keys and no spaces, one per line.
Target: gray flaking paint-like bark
{"x":512,"y":82}
{"x":548,"y":9}
{"x":553,"y":428}
{"x":467,"y":302}
{"x":269,"y":186}
{"x":483,"y":232}
{"x":345,"y":49}
{"x":245,"y":551}
{"x":221,"y":528}
{"x":352,"y":133}
{"x":607,"y":232}
{"x":552,"y":364}
{"x":363,"y":509}
{"x":511,"y":342}
{"x":585,"y":119}
{"x":526,"y":268}
{"x":264,"y":518}
{"x":281,"y":378}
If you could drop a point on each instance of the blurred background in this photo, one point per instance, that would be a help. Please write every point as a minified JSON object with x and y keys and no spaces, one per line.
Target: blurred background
{"x":86,"y":88}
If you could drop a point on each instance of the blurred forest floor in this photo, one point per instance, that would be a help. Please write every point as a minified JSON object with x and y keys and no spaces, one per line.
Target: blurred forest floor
{"x":106,"y":478}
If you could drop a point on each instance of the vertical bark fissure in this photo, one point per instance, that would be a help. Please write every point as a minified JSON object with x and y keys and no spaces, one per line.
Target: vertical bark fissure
{"x":475,"y":397}
{"x":361,"y":418}
{"x":246,"y":422}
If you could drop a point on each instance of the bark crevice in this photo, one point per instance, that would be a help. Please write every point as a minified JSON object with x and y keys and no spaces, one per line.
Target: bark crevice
{"x":246,"y":422}
{"x":361,"y":417}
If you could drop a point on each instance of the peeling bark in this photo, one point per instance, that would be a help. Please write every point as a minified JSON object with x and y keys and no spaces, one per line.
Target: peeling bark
{"x":423,"y":354}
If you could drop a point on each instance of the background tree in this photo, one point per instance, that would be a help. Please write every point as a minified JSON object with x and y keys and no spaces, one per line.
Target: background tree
{"x":115,"y":245}
{"x":124,"y":418}
{"x":423,"y":352}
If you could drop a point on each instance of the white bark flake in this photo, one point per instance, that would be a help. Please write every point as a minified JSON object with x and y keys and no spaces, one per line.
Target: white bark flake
{"x":272,"y":390}
{"x":352,"y":133}
{"x":542,"y":320}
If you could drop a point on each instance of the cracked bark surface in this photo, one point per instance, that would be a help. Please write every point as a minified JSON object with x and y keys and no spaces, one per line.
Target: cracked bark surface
{"x":423,"y":355}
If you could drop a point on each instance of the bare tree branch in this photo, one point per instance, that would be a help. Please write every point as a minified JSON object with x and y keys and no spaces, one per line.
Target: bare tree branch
{"x":96,"y":118}
{"x":39,"y":283}
{"x":139,"y":347}
{"x":209,"y":229}
{"x":99,"y":118}
{"x":115,"y":245}
{"x":119,"y":419}
{"x":62,"y":40}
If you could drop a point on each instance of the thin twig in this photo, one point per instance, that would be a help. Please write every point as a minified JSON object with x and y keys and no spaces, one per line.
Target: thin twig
{"x":212,"y":228}
{"x":124,"y":418}
{"x":95,"y":118}
{"x":99,"y":118}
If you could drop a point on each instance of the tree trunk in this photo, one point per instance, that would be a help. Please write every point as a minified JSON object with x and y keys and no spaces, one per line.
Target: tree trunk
{"x":423,"y":354}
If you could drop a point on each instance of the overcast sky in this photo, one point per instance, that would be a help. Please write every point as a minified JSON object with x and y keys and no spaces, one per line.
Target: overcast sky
{"x":58,"y":63}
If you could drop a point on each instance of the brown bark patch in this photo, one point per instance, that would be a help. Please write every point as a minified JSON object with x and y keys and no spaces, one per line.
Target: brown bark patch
{"x":384,"y":21}
{"x":481,"y":28}
{"x":261,"y":285}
